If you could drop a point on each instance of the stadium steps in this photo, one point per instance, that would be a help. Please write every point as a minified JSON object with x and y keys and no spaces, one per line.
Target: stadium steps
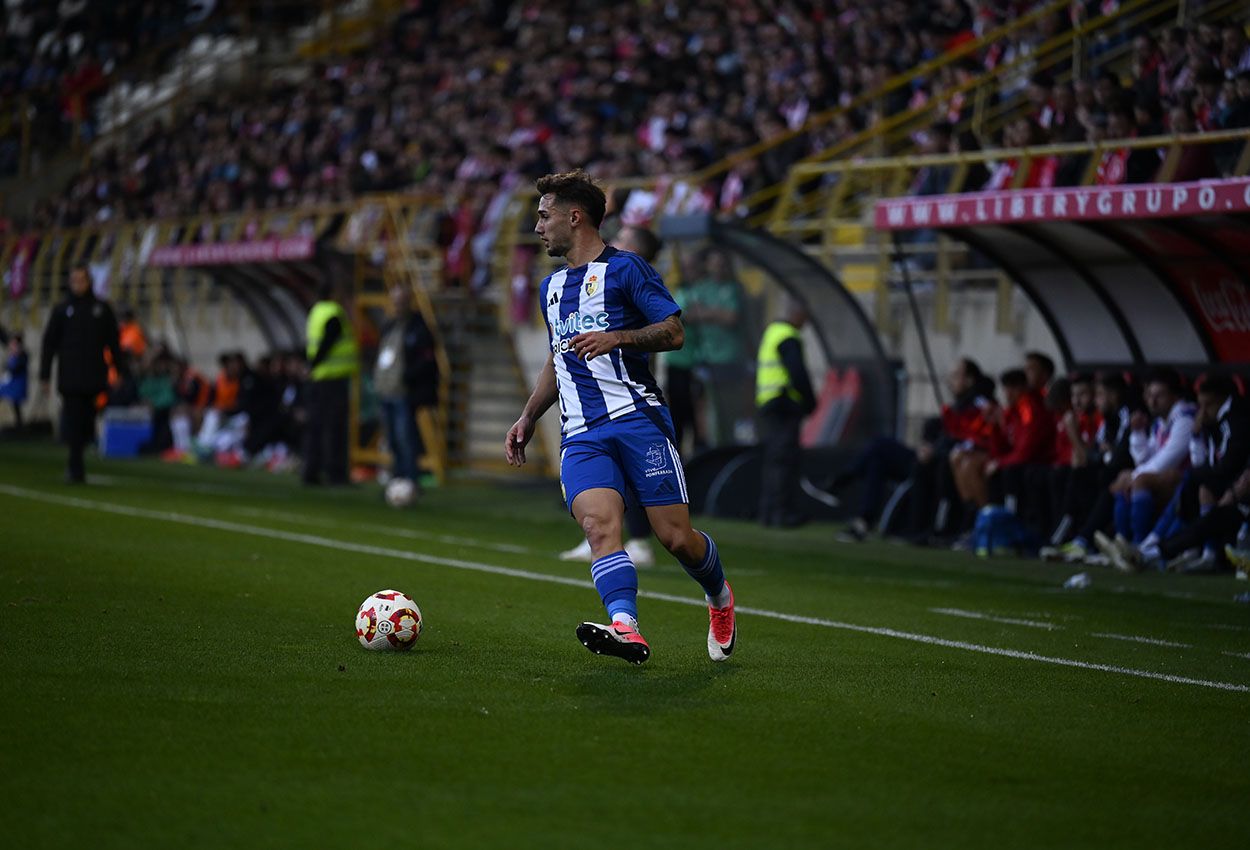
{"x":487,"y":387}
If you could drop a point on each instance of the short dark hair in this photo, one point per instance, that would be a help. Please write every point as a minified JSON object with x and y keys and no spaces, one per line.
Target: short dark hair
{"x":1042,"y":360}
{"x":972,"y":369}
{"x":1218,"y":385}
{"x":1170,"y":378}
{"x":578,"y":189}
{"x":1083,"y":378}
{"x":1014,"y":378}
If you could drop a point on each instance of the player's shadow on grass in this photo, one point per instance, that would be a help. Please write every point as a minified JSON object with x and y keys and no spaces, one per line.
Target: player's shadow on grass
{"x":654,"y":688}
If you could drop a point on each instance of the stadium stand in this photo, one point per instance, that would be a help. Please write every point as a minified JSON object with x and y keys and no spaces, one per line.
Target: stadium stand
{"x":650,"y":97}
{"x":817,"y":121}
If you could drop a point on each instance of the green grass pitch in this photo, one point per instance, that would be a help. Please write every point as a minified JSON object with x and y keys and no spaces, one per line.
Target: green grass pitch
{"x":179,"y":669}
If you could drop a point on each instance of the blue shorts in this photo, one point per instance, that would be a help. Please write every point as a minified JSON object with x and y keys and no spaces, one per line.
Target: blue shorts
{"x":633,"y":453}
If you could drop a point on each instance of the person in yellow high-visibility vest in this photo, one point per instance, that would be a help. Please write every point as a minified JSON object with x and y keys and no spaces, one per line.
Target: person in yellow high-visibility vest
{"x":783,"y":397}
{"x":332,"y":361}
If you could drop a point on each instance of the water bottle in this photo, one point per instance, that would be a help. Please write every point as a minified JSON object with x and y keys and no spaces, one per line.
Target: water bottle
{"x":1080,"y":581}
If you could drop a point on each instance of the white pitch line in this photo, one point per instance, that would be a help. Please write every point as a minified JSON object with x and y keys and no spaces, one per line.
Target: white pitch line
{"x":1245,"y":655}
{"x":475,"y":566}
{"x":977,"y":615}
{"x":285,"y":516}
{"x":1140,"y":639}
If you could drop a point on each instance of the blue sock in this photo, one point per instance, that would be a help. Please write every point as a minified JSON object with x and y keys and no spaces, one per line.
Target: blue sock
{"x":617,"y":582}
{"x":1122,"y":525}
{"x":708,"y":572}
{"x":1141,"y":510}
{"x":1168,"y":520}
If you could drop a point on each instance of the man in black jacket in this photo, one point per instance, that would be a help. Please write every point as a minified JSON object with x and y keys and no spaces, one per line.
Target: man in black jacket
{"x":405,"y":378}
{"x":80,"y":329}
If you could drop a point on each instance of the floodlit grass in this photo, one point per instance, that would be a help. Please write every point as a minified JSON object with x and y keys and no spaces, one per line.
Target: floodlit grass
{"x":179,"y":669}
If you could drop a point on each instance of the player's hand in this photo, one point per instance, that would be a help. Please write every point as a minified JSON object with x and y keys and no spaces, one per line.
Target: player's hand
{"x":588,"y":346}
{"x":518,"y":438}
{"x":1139,"y":421}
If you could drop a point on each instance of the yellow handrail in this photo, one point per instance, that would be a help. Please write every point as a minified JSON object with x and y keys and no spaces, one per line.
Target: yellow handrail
{"x":890,"y":86}
{"x":897,"y":129}
{"x":853,"y":186}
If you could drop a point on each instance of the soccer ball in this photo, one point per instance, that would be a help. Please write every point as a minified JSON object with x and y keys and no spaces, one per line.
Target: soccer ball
{"x":388,"y":620}
{"x":400,"y":492}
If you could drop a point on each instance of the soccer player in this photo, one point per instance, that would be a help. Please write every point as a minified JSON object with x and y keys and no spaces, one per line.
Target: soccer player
{"x":605,"y":312}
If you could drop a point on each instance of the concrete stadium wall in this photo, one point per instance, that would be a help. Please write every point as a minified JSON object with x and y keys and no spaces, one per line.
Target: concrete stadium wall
{"x":972,"y":331}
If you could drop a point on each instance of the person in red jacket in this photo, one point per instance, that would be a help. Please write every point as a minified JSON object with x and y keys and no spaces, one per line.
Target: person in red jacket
{"x":1024,"y":442}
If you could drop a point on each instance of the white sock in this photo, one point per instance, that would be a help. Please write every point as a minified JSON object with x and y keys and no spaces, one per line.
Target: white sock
{"x":722,"y":599}
{"x":181,"y":428}
{"x":626,"y":620}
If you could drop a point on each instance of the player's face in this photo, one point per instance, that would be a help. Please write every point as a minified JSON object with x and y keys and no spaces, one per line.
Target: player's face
{"x":554,"y":227}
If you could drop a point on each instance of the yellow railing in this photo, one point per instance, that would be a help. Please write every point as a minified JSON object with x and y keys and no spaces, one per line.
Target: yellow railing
{"x":896,"y":134}
{"x":992,"y":117}
{"x":848,"y":189}
{"x":894,"y":84}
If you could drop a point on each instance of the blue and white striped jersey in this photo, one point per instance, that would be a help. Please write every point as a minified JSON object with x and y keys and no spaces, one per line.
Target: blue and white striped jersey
{"x":618,"y":291}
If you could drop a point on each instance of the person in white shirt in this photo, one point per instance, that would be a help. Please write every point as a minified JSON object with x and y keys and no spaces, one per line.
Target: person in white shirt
{"x":1159,"y":444}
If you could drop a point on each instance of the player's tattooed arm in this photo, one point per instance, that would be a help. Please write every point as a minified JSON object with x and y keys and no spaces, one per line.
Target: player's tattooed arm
{"x":667,"y":335}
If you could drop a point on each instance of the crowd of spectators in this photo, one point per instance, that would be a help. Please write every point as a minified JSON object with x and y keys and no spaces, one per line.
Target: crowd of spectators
{"x":1190,"y":80}
{"x":1099,"y":469}
{"x":58,"y":56}
{"x":465,"y":100}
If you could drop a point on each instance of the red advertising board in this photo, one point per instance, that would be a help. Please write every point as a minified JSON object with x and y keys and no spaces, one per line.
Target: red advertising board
{"x":229,"y":253}
{"x":1078,"y":203}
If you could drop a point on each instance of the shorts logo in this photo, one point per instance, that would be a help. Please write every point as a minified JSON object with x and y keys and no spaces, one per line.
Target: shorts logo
{"x":657,"y":463}
{"x":655,"y":456}
{"x":665,"y":488}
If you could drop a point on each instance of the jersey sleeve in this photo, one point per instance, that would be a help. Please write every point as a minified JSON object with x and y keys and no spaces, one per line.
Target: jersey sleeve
{"x":648,"y":292}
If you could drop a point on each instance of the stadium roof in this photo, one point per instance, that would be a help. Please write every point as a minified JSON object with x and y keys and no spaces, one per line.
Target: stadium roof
{"x":1123,"y":275}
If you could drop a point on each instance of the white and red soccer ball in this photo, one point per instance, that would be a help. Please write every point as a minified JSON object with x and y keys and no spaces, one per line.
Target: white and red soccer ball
{"x":388,"y":620}
{"x":400,"y":492}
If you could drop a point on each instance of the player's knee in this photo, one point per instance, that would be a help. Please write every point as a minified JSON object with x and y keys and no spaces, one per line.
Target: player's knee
{"x":677,"y":539}
{"x":601,"y":531}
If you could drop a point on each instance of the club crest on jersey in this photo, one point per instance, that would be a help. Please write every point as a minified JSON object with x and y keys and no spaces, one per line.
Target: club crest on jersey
{"x":592,"y":283}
